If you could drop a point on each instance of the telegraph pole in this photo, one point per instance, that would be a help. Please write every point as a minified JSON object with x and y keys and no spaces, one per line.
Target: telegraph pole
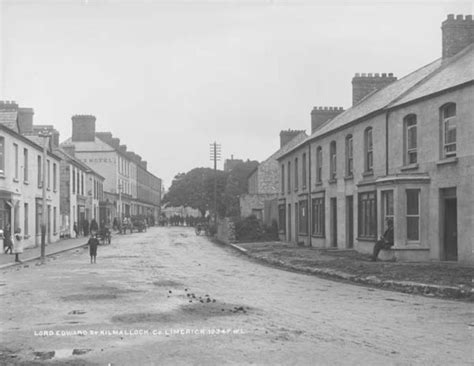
{"x":45,"y":134}
{"x":215,"y":155}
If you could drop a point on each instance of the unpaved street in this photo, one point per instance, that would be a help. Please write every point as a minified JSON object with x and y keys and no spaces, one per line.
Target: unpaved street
{"x":174,"y":285}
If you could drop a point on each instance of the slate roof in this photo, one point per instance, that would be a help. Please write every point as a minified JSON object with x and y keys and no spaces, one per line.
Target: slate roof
{"x":430,"y":79}
{"x":8,"y":118}
{"x":76,"y":161}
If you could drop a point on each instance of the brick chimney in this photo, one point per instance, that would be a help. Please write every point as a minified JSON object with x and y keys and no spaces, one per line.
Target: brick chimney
{"x":458,"y":33}
{"x":83,"y":128}
{"x":50,"y":128}
{"x":288,"y":135}
{"x":320,"y":115}
{"x":25,"y":120}
{"x":365,"y":84}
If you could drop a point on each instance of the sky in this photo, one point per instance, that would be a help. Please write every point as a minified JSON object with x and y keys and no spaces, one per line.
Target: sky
{"x":171,"y":77}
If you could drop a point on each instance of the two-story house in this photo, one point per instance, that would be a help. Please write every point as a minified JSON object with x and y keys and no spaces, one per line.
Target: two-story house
{"x":403,"y":150}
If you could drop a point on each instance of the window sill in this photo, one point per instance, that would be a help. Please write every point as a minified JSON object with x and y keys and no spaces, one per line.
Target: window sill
{"x":409,"y":167}
{"x":26,"y":182}
{"x":371,"y":239}
{"x":318,"y":236}
{"x":2,"y":176}
{"x":16,"y":180}
{"x":318,"y":184}
{"x":349,"y":177}
{"x":445,"y":161}
{"x":369,"y":173}
{"x":26,"y":237}
{"x":332,"y":181}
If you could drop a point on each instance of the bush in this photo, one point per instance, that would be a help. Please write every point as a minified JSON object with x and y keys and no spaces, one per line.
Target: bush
{"x":251,"y":229}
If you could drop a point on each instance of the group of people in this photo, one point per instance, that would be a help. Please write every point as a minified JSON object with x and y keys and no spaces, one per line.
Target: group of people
{"x":85,"y":228}
{"x":177,"y":220}
{"x":12,"y":243}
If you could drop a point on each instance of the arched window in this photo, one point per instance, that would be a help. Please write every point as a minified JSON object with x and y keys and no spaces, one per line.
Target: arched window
{"x":319,"y":164}
{"x":448,"y":130}
{"x":332,"y":161}
{"x":349,"y":157}
{"x":410,"y":143}
{"x":368,"y":149}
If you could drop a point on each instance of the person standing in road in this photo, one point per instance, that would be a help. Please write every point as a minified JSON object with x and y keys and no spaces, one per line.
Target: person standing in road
{"x":76,"y":230}
{"x":93,"y":244}
{"x":17,"y":244}
{"x":94,"y":226}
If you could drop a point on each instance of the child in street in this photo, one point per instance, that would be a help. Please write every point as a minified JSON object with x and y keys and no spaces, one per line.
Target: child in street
{"x":93,"y":243}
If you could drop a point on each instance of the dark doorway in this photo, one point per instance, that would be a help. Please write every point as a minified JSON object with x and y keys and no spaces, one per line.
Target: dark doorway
{"x":450,"y":229}
{"x":297,"y":228}
{"x":350,"y":221}
{"x":334,"y":222}
{"x":289,"y":222}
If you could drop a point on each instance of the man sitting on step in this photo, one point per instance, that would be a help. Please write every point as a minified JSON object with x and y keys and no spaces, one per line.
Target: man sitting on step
{"x":385,"y":241}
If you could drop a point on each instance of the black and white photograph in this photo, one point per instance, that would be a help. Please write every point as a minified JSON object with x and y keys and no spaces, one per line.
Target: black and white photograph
{"x":236,"y":182}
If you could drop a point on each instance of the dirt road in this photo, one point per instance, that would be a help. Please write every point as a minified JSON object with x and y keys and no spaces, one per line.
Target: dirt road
{"x":169,"y":297}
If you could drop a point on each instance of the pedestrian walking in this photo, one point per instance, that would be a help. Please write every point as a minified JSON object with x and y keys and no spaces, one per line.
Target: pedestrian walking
{"x":17,"y":244}
{"x":93,"y":244}
{"x":94,"y":226}
{"x":75,"y":229}
{"x":7,"y":239}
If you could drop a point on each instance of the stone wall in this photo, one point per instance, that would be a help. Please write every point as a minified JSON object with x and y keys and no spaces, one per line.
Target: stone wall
{"x":226,"y":231}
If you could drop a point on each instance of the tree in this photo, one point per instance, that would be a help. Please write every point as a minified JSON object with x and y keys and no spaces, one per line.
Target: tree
{"x":196,"y":189}
{"x":237,"y":184}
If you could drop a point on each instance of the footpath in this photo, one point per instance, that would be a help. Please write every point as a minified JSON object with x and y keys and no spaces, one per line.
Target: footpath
{"x":445,"y":280}
{"x":31,"y":254}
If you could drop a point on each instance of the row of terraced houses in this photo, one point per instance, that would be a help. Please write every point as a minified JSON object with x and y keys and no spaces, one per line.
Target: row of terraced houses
{"x":403,"y":150}
{"x":88,"y":176}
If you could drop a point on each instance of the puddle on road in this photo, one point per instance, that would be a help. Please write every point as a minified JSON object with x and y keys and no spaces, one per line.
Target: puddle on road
{"x":99,"y":293}
{"x":186,"y":312}
{"x":60,"y":353}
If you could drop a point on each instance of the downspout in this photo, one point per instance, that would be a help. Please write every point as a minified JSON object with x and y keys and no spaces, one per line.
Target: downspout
{"x":310,"y":210}
{"x":386,"y":143}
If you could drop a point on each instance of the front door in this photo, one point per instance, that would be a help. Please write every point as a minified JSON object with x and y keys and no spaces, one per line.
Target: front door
{"x":289,"y":222}
{"x":297,"y":228}
{"x":450,"y":229}
{"x":350,"y":221}
{"x":333,"y":222}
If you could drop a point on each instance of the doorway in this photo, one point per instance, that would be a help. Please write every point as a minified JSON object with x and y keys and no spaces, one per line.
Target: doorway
{"x":334,"y":222}
{"x":289,"y":222}
{"x":450,"y":240}
{"x":349,"y":222}
{"x":297,"y":228}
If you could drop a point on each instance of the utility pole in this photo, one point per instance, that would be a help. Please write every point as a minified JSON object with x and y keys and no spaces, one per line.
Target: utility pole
{"x":215,"y":155}
{"x":45,"y":134}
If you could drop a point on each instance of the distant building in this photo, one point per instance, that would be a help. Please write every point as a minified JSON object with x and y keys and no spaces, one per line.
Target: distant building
{"x":21,"y":177}
{"x":264,"y":181}
{"x":231,"y":163}
{"x":404,"y":150}
{"x":129,"y":188}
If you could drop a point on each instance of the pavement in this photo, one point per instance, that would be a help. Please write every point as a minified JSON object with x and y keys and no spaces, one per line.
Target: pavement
{"x":31,"y":254}
{"x":433,"y":279}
